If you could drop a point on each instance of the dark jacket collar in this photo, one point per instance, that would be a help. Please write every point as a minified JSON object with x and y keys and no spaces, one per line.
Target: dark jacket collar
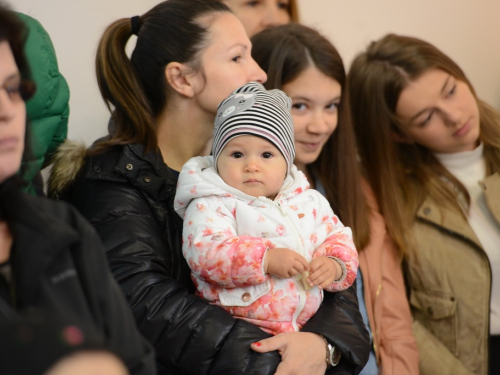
{"x":145,"y":170}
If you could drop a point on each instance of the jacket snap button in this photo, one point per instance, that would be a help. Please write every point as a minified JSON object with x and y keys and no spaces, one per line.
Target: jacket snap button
{"x":245,"y":297}
{"x":147,"y":179}
{"x":129,"y":167}
{"x":427,"y":210}
{"x":430,"y":311}
{"x":97,"y":169}
{"x":452,"y":299}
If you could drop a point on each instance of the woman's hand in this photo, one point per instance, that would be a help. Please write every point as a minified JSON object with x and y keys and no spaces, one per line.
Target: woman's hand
{"x":301,"y":352}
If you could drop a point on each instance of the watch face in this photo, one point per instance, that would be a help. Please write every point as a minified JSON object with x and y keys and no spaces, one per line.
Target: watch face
{"x":335,"y":356}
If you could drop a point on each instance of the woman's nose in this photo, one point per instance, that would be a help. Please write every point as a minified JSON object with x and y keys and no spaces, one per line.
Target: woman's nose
{"x":452,"y":114}
{"x":256,"y":73}
{"x":274,"y":16}
{"x":318,"y":123}
{"x":6,"y":106}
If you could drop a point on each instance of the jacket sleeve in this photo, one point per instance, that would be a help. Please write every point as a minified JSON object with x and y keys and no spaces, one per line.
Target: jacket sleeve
{"x":435,"y":358}
{"x":190,"y":335}
{"x":386,"y":297}
{"x":398,"y":348}
{"x":122,"y":335}
{"x":337,"y":243}
{"x":215,"y":252}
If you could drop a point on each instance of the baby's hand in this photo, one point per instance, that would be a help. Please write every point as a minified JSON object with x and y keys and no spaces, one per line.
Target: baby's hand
{"x":284,"y":263}
{"x":323,"y":272}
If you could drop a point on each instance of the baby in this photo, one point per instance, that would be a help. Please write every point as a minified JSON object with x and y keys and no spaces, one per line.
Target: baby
{"x":259,"y":242}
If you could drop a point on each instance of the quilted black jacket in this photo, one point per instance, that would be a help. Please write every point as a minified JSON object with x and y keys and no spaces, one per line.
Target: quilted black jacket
{"x":128,"y":196}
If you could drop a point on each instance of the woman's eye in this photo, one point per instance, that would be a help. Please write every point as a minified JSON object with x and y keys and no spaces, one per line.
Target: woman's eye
{"x":333,"y":106}
{"x":252,"y":3}
{"x":299,"y":106}
{"x":13,"y":91}
{"x":237,"y":155}
{"x":453,"y":90}
{"x":283,"y":5}
{"x":267,"y":155}
{"x":237,"y":58}
{"x":426,"y":120}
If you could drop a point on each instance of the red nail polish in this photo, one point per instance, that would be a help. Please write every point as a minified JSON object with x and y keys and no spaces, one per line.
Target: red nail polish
{"x":257,"y":344}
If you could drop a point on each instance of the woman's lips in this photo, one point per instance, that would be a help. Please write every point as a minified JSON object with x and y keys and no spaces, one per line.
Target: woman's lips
{"x":464,"y":129}
{"x":7,"y":143}
{"x":310,"y":146}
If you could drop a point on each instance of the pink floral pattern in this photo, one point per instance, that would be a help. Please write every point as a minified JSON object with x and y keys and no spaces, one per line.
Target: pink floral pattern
{"x":226,"y":237}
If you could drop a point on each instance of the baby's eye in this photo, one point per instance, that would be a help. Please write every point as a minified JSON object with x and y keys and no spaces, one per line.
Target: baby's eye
{"x":237,"y":155}
{"x":267,"y":155}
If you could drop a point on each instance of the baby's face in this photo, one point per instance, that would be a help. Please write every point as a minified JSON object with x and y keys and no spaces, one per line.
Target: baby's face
{"x":252,"y":165}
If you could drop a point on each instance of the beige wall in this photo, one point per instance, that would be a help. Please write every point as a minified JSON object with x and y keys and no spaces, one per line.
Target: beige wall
{"x":467,"y":30}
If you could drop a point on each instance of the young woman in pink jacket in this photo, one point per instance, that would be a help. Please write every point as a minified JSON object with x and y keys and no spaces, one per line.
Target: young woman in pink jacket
{"x":307,"y":67}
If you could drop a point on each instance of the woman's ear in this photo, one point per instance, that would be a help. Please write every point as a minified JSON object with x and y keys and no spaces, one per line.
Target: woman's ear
{"x":179,"y":77}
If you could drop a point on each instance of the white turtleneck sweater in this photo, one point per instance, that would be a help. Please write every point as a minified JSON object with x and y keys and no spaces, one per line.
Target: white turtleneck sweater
{"x":469,"y":167}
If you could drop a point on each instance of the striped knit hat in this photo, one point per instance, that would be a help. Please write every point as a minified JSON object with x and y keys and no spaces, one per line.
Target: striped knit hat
{"x":253,"y":110}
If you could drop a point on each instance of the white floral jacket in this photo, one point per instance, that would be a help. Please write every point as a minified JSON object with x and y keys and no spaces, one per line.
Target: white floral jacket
{"x":227,"y":233}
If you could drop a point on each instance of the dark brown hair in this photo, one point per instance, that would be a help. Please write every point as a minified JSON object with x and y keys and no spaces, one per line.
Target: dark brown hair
{"x":403,"y":174}
{"x":13,"y":31}
{"x":135,"y":89}
{"x":284,"y":52}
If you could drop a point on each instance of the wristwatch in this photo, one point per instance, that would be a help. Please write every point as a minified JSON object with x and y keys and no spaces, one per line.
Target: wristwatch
{"x":332,"y":354}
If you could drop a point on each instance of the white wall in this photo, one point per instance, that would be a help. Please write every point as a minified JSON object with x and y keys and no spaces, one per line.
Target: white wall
{"x":467,"y":30}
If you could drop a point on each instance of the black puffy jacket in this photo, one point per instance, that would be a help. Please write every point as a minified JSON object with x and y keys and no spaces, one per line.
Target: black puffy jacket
{"x":128,"y":196}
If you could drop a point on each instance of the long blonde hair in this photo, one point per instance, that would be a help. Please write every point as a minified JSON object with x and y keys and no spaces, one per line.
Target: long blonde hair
{"x":402,"y":175}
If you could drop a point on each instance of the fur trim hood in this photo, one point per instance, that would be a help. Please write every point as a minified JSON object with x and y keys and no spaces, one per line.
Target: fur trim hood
{"x":67,"y":162}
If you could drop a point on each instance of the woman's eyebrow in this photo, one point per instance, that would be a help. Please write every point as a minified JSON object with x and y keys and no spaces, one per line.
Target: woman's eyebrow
{"x":15,"y":75}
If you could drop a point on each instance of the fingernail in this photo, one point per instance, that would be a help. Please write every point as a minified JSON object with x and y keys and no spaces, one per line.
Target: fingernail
{"x":257,"y":343}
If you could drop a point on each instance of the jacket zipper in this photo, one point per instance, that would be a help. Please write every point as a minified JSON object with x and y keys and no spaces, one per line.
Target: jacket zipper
{"x":302,"y":292}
